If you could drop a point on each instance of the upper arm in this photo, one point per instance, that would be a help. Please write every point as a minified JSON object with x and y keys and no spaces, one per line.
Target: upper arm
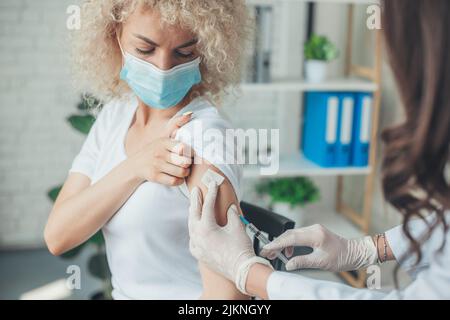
{"x":86,"y":160}
{"x":216,"y":286}
{"x":83,"y":166}
{"x":226,"y":195}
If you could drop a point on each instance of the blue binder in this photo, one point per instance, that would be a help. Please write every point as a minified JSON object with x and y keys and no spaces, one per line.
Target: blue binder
{"x":320,"y":128}
{"x":362,"y":129}
{"x":345,"y":128}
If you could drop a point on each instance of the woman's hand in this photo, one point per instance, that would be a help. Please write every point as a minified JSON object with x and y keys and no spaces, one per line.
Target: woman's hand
{"x":330,"y":251}
{"x":164,"y":160}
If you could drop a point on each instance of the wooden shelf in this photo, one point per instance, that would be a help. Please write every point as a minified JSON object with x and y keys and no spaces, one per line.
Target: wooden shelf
{"x":297,"y":165}
{"x":338,"y":84}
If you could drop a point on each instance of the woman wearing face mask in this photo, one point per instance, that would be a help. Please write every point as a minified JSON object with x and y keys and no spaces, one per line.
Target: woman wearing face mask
{"x":158,"y":65}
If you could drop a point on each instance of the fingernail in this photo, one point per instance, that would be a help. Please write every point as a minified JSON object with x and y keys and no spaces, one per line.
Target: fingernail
{"x":178,"y":149}
{"x":188,"y":113}
{"x":272,"y":256}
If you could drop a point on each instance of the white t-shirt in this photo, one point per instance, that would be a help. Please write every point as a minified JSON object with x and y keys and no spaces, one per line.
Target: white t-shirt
{"x":147,"y":239}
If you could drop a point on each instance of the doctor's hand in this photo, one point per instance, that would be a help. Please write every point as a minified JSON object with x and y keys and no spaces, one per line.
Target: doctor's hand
{"x":330,"y":251}
{"x":227,"y":250}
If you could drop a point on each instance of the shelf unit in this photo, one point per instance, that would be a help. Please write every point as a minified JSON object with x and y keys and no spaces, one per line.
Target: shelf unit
{"x":358,"y":78}
{"x":339,"y":84}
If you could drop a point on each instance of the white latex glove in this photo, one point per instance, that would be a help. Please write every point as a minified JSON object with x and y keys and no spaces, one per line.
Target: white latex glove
{"x":330,"y":251}
{"x":227,"y":250}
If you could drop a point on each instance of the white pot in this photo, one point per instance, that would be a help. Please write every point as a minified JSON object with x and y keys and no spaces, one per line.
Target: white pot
{"x":316,"y":70}
{"x":296,"y":214}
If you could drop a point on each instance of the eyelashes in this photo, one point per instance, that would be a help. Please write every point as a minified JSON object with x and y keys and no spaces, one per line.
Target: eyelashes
{"x":178,"y":54}
{"x":145,"y":52}
{"x":184,"y":55}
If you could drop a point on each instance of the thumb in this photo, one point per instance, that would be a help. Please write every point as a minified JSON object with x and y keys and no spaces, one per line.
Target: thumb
{"x":291,"y":238}
{"x":208,"y":212}
{"x":195,"y":208}
{"x":176,"y":123}
{"x":285,"y":240}
{"x":233,"y":220}
{"x":301,"y":262}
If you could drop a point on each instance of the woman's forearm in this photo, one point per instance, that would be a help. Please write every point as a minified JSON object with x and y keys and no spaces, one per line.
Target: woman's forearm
{"x":75,"y":219}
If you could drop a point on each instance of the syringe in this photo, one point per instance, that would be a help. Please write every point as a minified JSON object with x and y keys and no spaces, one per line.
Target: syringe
{"x":261,"y":237}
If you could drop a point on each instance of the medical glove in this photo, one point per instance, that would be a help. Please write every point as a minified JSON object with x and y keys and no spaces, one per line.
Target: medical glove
{"x":227,"y":250}
{"x":330,"y":251}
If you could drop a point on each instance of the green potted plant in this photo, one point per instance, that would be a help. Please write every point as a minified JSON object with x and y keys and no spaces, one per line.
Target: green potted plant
{"x":318,"y":51}
{"x":288,"y":196}
{"x":97,"y":264}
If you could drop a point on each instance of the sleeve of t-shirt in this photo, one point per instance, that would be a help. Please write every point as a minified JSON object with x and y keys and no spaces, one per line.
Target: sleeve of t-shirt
{"x":207,"y":136}
{"x":86,"y":160}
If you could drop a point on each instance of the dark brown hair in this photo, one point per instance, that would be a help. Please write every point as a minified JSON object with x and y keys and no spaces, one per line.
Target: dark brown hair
{"x":417,"y":36}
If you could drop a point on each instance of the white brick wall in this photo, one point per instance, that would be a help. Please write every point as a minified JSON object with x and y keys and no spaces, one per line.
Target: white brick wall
{"x":36,"y":144}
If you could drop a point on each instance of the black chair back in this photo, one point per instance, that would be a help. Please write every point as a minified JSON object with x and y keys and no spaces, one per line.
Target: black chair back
{"x":267,"y":221}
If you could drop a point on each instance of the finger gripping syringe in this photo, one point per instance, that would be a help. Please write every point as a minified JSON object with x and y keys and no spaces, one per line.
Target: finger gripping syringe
{"x":261,"y":237}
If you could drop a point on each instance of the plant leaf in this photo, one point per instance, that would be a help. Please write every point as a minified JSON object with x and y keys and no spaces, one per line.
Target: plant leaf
{"x":98,"y":266}
{"x":53,"y":193}
{"x":81,"y":123}
{"x":97,"y":238}
{"x":74,"y":252}
{"x":295,"y":191}
{"x":320,"y":48}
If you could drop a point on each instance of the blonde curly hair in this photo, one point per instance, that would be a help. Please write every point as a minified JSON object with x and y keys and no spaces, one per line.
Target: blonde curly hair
{"x":221,"y":26}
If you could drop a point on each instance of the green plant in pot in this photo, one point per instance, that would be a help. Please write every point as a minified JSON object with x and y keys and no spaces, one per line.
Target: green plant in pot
{"x":288,"y":196}
{"x":97,"y":264}
{"x":318,"y":52}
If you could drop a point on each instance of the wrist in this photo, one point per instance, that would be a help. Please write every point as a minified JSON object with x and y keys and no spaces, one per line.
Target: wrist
{"x":243,"y":270}
{"x":257,"y":279}
{"x":131,"y":170}
{"x":371,"y":252}
{"x":361,"y":253}
{"x":383,"y":250}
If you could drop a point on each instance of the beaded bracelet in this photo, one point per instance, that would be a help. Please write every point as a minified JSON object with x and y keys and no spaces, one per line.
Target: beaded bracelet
{"x":382,"y":235}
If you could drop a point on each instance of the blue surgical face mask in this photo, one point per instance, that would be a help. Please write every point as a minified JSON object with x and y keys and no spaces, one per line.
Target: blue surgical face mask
{"x":158,"y":88}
